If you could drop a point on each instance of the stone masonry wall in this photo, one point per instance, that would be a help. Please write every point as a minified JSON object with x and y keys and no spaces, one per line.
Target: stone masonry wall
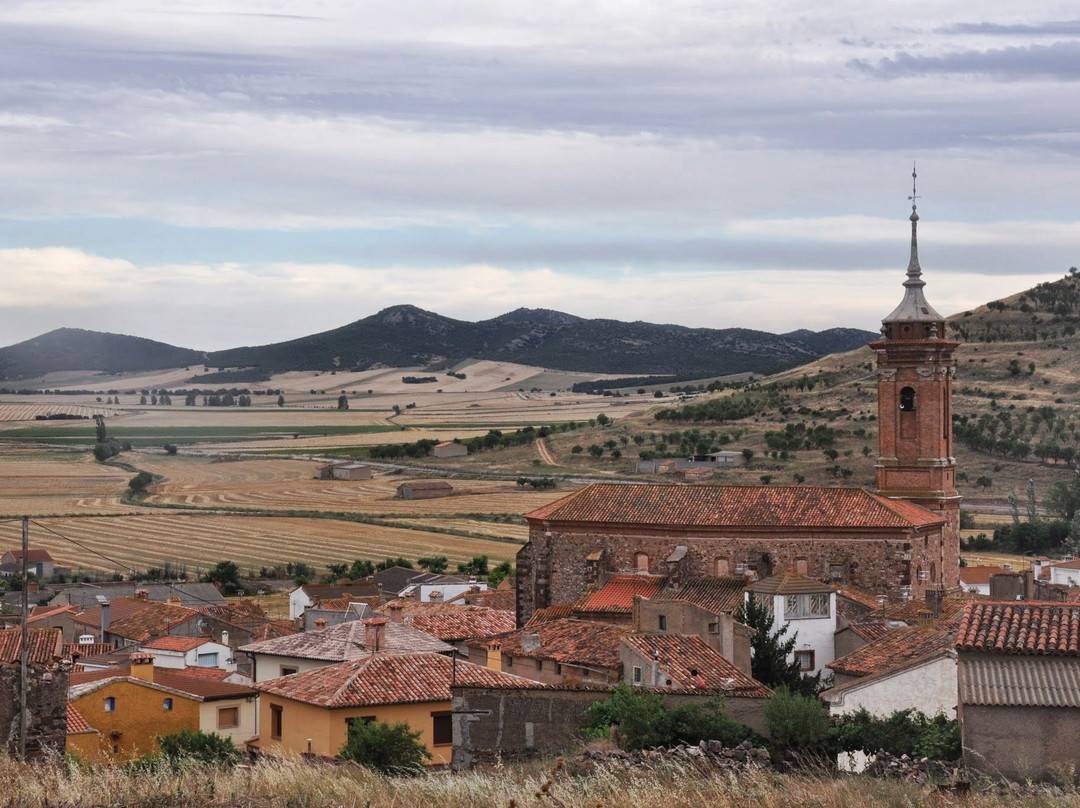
{"x":552,"y":567}
{"x":46,"y":703}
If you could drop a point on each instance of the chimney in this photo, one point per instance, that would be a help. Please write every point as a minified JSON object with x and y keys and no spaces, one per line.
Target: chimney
{"x":320,"y":623}
{"x":435,"y":596}
{"x":106,"y":618}
{"x":530,"y":643}
{"x":375,"y":634}
{"x":934,"y":596}
{"x":924,"y":619}
{"x":397,"y":612}
{"x":142,"y":666}
{"x":142,"y":594}
{"x":224,"y":638}
{"x":173,"y":600}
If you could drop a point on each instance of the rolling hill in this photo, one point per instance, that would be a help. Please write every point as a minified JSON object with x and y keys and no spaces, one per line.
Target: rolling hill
{"x":406,"y":336}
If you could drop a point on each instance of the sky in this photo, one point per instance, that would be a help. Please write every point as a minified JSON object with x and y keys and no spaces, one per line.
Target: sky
{"x":232,"y":173}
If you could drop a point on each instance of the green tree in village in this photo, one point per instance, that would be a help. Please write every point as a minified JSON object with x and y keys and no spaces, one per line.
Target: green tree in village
{"x":771,"y":661}
{"x":227,"y":577}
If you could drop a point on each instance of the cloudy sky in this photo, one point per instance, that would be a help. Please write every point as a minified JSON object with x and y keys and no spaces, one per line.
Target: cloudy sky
{"x":236,"y":173}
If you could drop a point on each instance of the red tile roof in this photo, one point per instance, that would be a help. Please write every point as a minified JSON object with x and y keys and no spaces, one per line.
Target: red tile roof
{"x":717,"y":595}
{"x":573,"y":642}
{"x":386,"y":679}
{"x":979,"y":576}
{"x":86,"y":649}
{"x":179,"y":644}
{"x":202,"y":687}
{"x":1021,"y":628}
{"x":33,"y":555}
{"x":897,"y":647}
{"x":153,"y":620}
{"x":789,"y":583}
{"x":455,"y":623}
{"x":692,"y":665}
{"x":549,"y":613}
{"x":767,"y":506}
{"x":870,"y":630}
{"x":617,"y":593}
{"x":216,"y":674}
{"x":44,"y":612}
{"x":348,"y":641}
{"x":42,"y":645}
{"x":76,"y":724}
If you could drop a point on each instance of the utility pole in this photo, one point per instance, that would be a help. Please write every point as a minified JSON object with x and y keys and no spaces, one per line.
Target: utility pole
{"x":23,"y":645}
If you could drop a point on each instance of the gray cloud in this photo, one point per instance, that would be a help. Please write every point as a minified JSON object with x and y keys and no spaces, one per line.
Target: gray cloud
{"x":1061,"y":60}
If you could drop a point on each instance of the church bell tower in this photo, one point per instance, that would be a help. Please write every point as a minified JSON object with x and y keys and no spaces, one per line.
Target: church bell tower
{"x":915,"y":368}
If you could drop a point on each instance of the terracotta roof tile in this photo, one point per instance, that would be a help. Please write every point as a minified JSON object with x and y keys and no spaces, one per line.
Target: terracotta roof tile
{"x":76,"y":724}
{"x":617,"y":593}
{"x":458,"y":623}
{"x":34,"y":555}
{"x":203,"y":686}
{"x":385,"y":679}
{"x":348,"y":641}
{"x":44,"y":612}
{"x":1021,"y":628}
{"x":692,"y":665}
{"x":896,"y":647}
{"x":979,"y":576}
{"x":717,"y":595}
{"x":870,"y":630}
{"x":502,"y":599}
{"x":43,"y":644}
{"x":216,"y":674}
{"x":573,"y":642}
{"x":549,"y":613}
{"x":767,"y":506}
{"x":180,"y":644}
{"x":153,"y":620}
{"x":789,"y":583}
{"x":86,"y":649}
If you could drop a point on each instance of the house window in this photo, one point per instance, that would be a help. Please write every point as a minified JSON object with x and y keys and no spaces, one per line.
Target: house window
{"x":723,"y":568}
{"x":802,"y":606}
{"x":110,"y":704}
{"x":907,"y":400}
{"x":837,"y":572}
{"x":805,"y":660}
{"x":585,"y":673}
{"x":166,"y":704}
{"x":539,"y":664}
{"x":288,"y":670}
{"x":208,"y":660}
{"x":364,"y":719}
{"x":641,"y":562}
{"x":637,"y":675}
{"x":228,"y":717}
{"x":442,"y":729}
{"x":275,"y":721}
{"x":508,"y":661}
{"x":661,"y":622}
{"x":558,"y":668}
{"x":801,"y":566}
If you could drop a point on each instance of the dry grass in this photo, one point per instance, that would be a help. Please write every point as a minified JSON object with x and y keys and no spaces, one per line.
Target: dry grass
{"x":290,"y":783}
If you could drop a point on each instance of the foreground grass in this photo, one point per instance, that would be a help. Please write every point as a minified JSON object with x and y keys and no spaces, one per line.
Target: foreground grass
{"x":286,"y":784}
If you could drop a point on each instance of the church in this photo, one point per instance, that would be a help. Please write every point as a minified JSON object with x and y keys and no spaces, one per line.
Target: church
{"x":900,"y":540}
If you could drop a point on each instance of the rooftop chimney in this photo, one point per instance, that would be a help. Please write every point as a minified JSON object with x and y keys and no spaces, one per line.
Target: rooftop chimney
{"x":934,"y":596}
{"x":375,"y":634}
{"x":435,"y":596}
{"x":320,"y":623}
{"x":142,"y":594}
{"x":142,"y":666}
{"x":397,"y":612}
{"x":173,"y":600}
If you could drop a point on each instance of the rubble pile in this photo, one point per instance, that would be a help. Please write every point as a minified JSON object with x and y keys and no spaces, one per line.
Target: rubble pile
{"x":903,"y":767}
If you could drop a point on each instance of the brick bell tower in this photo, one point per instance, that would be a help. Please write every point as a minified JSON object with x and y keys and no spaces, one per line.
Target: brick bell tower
{"x":915,"y":367}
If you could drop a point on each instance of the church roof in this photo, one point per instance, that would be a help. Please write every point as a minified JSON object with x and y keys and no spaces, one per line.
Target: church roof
{"x":735,"y":506}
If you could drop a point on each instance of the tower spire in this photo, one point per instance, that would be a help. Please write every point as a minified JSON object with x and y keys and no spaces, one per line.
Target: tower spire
{"x":914,"y":271}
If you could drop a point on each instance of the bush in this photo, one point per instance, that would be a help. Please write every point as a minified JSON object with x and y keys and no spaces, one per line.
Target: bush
{"x":170,"y":448}
{"x":384,"y":747}
{"x":905,"y":732}
{"x":795,"y":721}
{"x":140,"y":481}
{"x":639,"y":716}
{"x":703,"y":719}
{"x":206,"y":748}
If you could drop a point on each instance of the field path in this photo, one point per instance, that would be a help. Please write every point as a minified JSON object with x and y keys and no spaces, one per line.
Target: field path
{"x":545,"y":452}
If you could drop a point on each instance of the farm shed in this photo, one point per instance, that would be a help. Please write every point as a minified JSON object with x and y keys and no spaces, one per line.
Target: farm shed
{"x":424,"y":489}
{"x":352,"y":471}
{"x":451,"y":449}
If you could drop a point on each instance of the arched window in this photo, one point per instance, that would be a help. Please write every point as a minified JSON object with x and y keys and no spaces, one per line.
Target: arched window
{"x":641,"y":562}
{"x":723,"y":568}
{"x":907,"y":399}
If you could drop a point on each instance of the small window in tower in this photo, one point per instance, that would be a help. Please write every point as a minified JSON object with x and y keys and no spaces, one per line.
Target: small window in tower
{"x":907,"y":399}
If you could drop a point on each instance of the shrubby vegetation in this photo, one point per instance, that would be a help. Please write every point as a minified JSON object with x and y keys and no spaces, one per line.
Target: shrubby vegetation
{"x":387,"y":748}
{"x":641,"y":719}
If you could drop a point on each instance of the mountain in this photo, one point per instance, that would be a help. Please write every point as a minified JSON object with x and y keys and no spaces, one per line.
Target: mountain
{"x":404,"y":336}
{"x":77,"y":349}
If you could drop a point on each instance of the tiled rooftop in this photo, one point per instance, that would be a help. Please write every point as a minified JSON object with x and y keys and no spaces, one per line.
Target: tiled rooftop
{"x":386,"y":679}
{"x":205,"y":687}
{"x":1021,"y":628}
{"x":179,"y":644}
{"x":574,"y":642}
{"x":43,"y":644}
{"x":870,"y":630}
{"x":347,"y":641}
{"x":617,"y":593}
{"x":692,"y":665}
{"x":76,"y":724}
{"x":735,"y":506}
{"x":550,"y":613}
{"x":452,"y":623}
{"x":717,"y":595}
{"x":789,"y":583}
{"x":153,"y":620}
{"x":86,"y":649}
{"x":897,"y":647}
{"x":979,"y":576}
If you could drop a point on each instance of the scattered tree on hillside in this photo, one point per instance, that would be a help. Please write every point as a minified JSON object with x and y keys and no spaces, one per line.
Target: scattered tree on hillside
{"x":281,"y":401}
{"x":343,"y":402}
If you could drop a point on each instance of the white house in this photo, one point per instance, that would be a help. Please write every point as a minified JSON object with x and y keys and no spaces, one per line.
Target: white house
{"x":190,"y":652}
{"x":977,"y":579}
{"x":441,"y":593}
{"x":808,"y":608}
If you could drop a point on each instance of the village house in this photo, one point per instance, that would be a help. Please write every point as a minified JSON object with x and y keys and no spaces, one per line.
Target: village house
{"x":310,"y":712}
{"x":309,"y":594}
{"x":189,"y":652}
{"x":807,"y":610}
{"x":38,"y":562}
{"x":298,"y":653}
{"x":976,"y":580}
{"x":134,"y":621}
{"x":191,"y":595}
{"x":1018,"y":668}
{"x":717,"y":629}
{"x":455,"y":624}
{"x":130,"y":706}
{"x":242,"y":623}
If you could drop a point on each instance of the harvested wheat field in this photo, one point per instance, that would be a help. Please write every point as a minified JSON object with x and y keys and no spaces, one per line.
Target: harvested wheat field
{"x":197,"y":541}
{"x":290,"y":485}
{"x":36,"y":483}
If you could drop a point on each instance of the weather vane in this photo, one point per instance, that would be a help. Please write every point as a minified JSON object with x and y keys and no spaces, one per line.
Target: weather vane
{"x":914,"y":195}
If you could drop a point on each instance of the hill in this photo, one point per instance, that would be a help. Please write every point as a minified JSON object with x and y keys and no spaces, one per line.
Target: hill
{"x":406,"y":336}
{"x":77,"y":349}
